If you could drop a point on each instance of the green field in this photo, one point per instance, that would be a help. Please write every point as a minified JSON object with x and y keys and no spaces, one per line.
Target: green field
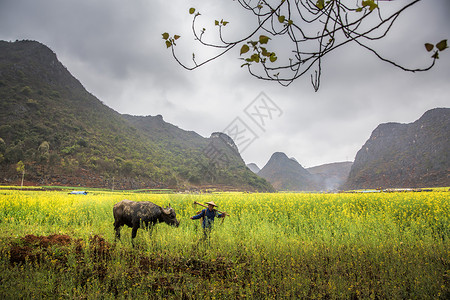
{"x":272,"y":246}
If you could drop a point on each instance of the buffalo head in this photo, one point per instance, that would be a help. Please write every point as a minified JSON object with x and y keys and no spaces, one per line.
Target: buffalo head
{"x":169,"y":216}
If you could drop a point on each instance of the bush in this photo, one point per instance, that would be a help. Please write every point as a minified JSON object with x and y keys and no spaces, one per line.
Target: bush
{"x":26,"y":90}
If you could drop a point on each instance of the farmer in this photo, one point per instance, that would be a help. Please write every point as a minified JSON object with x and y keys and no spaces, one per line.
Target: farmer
{"x":208,"y":214}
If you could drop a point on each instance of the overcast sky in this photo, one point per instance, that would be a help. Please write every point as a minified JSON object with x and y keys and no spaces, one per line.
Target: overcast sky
{"x":115,"y":49}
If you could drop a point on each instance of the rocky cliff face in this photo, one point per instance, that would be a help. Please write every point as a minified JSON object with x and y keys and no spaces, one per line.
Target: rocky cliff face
{"x":405,"y":155}
{"x":225,"y":139}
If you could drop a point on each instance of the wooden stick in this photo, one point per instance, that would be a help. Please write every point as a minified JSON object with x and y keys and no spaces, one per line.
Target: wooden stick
{"x":222,"y":212}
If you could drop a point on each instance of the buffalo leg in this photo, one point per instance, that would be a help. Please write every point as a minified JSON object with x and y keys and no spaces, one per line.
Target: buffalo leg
{"x":133,"y":233}
{"x":134,"y":230}
{"x":117,"y":229}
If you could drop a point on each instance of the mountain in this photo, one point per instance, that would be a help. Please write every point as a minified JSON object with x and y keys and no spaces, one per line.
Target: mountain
{"x":253,"y":167}
{"x":331,"y":176}
{"x":66,"y":136}
{"x":287,"y":174}
{"x":405,"y":155}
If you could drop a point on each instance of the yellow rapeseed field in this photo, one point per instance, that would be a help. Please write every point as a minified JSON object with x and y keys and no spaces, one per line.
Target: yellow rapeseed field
{"x":281,"y":245}
{"x":335,"y":218}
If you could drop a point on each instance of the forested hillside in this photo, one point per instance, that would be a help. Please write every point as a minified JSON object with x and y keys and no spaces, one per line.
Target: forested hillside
{"x":65,"y":135}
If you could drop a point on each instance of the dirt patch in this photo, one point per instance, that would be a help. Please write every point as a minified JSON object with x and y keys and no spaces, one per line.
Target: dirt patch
{"x":100,"y":248}
{"x":95,"y":258}
{"x":58,"y":248}
{"x":19,"y":254}
{"x":46,"y":241}
{"x":35,"y":248}
{"x":100,"y":251}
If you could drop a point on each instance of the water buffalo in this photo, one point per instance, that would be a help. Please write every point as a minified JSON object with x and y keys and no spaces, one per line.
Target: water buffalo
{"x":135,"y":214}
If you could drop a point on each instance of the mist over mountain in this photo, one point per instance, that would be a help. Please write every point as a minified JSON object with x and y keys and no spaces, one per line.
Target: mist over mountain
{"x":405,"y":155}
{"x":66,"y":136}
{"x":331,"y":176}
{"x":253,"y":167}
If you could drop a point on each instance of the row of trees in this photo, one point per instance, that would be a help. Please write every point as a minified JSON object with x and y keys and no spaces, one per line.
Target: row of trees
{"x":42,"y":162}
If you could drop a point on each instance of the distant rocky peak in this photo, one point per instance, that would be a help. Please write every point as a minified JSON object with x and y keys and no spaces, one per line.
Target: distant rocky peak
{"x":32,"y":58}
{"x":279,"y":155}
{"x":287,"y":174}
{"x":432,"y":115}
{"x":226,"y":139}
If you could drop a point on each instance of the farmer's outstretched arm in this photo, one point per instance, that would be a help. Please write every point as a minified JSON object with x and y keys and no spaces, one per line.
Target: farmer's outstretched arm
{"x":200,"y":215}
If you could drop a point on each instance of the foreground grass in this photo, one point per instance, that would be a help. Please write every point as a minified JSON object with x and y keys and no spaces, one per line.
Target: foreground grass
{"x":272,"y":246}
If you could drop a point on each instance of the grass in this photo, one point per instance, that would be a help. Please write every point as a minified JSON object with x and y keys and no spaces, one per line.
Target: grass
{"x":273,"y":246}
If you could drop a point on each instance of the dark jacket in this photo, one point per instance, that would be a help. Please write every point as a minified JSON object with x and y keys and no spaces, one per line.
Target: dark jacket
{"x":208,"y":217}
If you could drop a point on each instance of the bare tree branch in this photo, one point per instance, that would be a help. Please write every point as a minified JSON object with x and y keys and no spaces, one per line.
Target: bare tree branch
{"x":314,"y":29}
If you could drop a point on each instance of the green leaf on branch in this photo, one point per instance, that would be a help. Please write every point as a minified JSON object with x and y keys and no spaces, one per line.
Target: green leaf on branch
{"x":281,"y":19}
{"x":273,"y":57}
{"x":244,"y":49}
{"x":255,"y":58}
{"x":429,"y":47}
{"x":221,"y":23}
{"x":191,"y":10}
{"x":442,"y":45}
{"x":370,"y":3}
{"x":263,"y":39}
{"x":435,"y":55}
{"x":176,"y":37}
{"x":320,"y":4}
{"x":165,"y":35}
{"x":168,"y":44}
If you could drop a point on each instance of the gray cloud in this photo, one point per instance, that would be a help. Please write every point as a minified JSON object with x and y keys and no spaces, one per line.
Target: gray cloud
{"x":115,"y":49}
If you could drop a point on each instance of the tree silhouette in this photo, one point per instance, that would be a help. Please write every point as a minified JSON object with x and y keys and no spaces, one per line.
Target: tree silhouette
{"x":21,"y":169}
{"x":313,"y":28}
